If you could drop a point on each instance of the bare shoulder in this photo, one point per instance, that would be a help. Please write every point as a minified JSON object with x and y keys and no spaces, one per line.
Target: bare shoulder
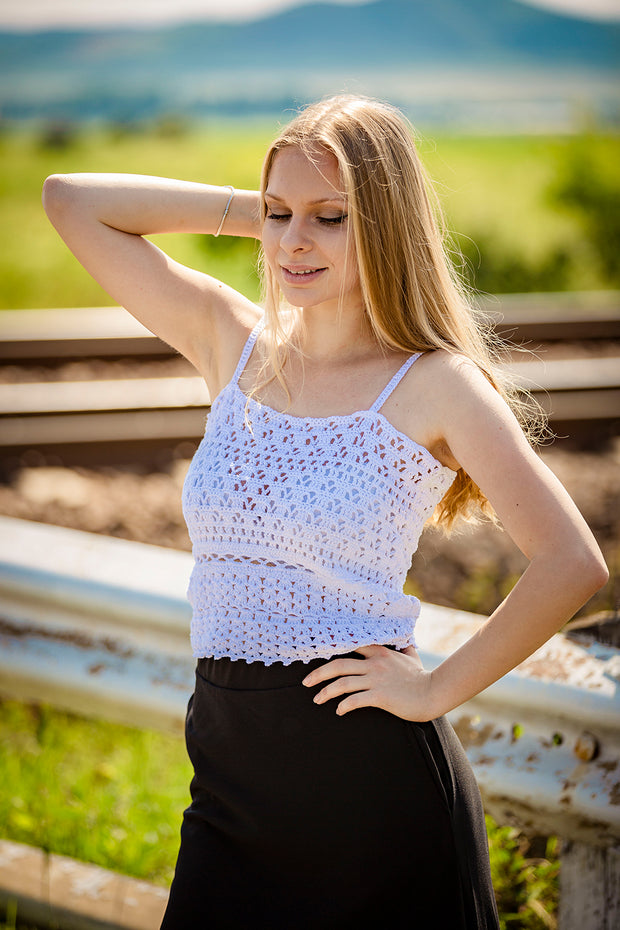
{"x":448,"y":371}
{"x":434,"y":387}
{"x":462,"y":411}
{"x":453,"y":384}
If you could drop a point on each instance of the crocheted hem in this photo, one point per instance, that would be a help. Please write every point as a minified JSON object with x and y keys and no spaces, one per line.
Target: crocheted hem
{"x":321,"y":653}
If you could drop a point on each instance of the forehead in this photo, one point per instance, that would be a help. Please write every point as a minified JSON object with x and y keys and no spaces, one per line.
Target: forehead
{"x":316,"y":170}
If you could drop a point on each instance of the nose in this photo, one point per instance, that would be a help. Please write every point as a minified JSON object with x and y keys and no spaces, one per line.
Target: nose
{"x":295,"y":236}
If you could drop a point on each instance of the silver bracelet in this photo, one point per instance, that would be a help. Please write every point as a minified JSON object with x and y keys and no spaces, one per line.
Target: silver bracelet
{"x":226,"y":209}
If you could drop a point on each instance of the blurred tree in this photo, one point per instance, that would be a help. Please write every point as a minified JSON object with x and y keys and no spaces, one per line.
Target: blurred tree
{"x":492,"y":267}
{"x":58,"y":135}
{"x":585,"y":188}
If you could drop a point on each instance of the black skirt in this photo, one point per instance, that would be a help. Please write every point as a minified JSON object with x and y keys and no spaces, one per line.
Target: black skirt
{"x":304,"y":819}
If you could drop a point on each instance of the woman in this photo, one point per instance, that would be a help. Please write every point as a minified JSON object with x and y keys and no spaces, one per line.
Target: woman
{"x":329,"y":789}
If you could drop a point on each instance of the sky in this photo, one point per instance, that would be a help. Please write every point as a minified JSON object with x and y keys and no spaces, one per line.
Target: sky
{"x":41,"y":14}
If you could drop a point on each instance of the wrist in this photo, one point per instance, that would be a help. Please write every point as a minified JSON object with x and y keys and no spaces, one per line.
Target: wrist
{"x":436,"y":704}
{"x":226,"y":210}
{"x":237,"y":213}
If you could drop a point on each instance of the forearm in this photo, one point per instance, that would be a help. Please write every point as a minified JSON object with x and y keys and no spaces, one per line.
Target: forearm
{"x":548,"y":594}
{"x":145,"y":205}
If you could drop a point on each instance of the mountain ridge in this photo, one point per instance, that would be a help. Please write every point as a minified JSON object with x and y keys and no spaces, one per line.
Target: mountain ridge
{"x":318,"y":39}
{"x":390,"y":29}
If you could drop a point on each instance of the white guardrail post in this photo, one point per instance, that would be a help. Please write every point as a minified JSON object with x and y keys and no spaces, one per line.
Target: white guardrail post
{"x":100,"y":626}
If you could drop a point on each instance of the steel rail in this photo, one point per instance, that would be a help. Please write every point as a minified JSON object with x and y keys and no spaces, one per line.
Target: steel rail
{"x":78,"y":412}
{"x":40,"y":335}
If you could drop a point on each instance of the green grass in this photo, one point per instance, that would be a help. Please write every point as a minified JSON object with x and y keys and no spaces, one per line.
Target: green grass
{"x":499,"y":185}
{"x":495,"y":190}
{"x":114,"y":796}
{"x":92,"y":790}
{"x":12,"y":921}
{"x":501,"y":192}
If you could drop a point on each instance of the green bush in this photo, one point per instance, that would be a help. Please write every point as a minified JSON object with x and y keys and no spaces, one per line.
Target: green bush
{"x":586,"y":189}
{"x":526,"y":885}
{"x":92,"y":790}
{"x":493,"y":268}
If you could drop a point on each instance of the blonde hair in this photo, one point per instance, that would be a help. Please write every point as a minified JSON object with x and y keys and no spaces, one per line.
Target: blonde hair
{"x":413,"y":299}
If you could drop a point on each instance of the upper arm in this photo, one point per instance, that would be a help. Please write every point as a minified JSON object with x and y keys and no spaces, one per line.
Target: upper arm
{"x":487,"y":441}
{"x":191,"y":311}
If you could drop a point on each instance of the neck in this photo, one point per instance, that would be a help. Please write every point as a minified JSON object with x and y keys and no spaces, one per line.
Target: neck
{"x":327,"y":335}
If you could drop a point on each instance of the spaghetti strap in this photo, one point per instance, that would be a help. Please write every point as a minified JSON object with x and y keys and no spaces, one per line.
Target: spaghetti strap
{"x":402,"y":371}
{"x":247,"y":349}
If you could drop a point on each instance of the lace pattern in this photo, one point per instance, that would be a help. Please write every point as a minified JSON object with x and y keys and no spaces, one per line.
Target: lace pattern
{"x":303,"y":530}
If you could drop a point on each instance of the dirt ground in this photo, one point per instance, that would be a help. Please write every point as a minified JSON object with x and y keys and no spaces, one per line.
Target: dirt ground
{"x":473,"y":569}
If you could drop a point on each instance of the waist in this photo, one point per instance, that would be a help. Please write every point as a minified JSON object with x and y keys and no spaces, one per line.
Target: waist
{"x":239,"y":675}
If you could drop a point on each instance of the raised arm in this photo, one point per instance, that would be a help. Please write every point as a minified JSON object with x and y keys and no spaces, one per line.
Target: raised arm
{"x":103,"y":219}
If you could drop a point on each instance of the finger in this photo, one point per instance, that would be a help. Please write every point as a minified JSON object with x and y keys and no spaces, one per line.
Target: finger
{"x":356,"y":700}
{"x":338,"y":687}
{"x":372,"y":650}
{"x":332,"y":670}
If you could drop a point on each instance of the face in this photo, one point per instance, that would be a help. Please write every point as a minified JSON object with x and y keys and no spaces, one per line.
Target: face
{"x":305,"y":236}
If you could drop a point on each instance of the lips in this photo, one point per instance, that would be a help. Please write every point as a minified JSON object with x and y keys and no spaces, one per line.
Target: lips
{"x":301,"y":274}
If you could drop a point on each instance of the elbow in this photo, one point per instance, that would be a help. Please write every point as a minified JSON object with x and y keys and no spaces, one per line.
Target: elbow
{"x":600,"y":575}
{"x":56,"y":194}
{"x":591,"y":572}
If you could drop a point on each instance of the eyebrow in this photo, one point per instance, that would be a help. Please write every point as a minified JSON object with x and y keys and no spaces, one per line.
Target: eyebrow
{"x":312,"y":203}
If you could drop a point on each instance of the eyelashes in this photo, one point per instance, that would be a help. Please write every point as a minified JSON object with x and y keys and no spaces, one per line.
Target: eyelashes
{"x":324,"y":220}
{"x":333,"y":220}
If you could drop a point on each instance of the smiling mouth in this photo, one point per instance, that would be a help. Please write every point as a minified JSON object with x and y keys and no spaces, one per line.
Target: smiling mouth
{"x":299,"y":275}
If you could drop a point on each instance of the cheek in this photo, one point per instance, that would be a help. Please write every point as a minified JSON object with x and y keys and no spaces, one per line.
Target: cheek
{"x":270,"y":245}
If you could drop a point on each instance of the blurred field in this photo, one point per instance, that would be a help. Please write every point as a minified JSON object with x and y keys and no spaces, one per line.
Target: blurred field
{"x":497,"y":192}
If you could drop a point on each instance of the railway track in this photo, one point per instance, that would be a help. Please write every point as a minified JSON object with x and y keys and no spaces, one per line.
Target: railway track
{"x":53,"y":336}
{"x":153,"y":419}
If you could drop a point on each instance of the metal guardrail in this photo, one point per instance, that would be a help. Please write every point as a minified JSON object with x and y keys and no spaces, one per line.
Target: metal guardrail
{"x":100,"y":626}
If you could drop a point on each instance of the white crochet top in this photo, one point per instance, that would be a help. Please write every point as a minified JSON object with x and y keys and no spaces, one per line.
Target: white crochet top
{"x":303,"y":529}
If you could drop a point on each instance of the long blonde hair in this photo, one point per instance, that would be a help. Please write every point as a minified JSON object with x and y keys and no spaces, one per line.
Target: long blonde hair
{"x":413,"y":299}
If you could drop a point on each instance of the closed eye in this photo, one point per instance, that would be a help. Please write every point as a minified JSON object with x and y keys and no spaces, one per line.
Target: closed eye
{"x":333,"y":220}
{"x":325,"y":220}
